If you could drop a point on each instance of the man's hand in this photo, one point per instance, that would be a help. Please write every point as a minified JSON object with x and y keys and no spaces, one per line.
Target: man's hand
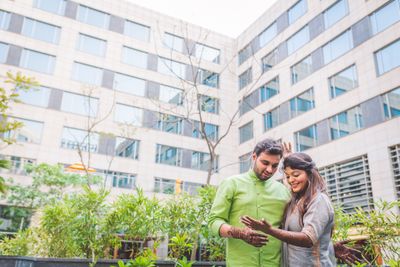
{"x":249,"y":236}
{"x":287,"y":149}
{"x":346,"y":254}
{"x":259,"y":225}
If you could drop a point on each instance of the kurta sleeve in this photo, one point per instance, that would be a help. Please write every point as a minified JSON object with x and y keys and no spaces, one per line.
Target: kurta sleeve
{"x":221,"y":207}
{"x":317,"y":217}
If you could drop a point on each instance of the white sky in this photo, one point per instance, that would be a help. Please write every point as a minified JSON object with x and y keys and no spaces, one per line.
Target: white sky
{"x":229,"y":17}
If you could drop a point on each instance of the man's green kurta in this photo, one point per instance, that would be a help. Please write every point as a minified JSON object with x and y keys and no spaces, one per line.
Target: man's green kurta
{"x":245,"y":194}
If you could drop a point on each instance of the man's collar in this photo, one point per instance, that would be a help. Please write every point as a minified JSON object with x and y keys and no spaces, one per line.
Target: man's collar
{"x":252,"y":175}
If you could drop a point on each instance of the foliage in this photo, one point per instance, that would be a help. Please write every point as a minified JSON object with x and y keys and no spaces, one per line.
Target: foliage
{"x":184,"y":263}
{"x":140,"y":261}
{"x":179,"y":245}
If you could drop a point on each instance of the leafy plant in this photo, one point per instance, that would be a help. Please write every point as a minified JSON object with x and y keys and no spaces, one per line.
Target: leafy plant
{"x":179,"y":245}
{"x":184,"y":263}
{"x":140,"y":261}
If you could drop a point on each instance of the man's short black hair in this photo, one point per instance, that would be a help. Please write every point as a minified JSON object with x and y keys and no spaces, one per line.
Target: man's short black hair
{"x":269,"y":146}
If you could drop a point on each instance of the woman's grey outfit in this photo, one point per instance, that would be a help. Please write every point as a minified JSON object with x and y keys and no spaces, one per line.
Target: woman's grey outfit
{"x":318,"y":223}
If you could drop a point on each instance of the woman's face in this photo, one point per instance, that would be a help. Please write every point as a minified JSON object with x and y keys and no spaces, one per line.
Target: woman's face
{"x":297,"y":179}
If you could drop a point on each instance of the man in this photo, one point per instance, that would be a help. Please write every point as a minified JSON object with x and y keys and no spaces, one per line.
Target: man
{"x":253,"y":194}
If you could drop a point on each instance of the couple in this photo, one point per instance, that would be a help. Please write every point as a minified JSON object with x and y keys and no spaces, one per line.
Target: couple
{"x":252,"y":202}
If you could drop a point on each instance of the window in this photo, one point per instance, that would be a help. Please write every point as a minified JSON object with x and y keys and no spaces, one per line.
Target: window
{"x":207,"y":53}
{"x":87,"y":74}
{"x":209,"y":104}
{"x":37,"y":96}
{"x":164,"y":186}
{"x":191,"y":188}
{"x":302,"y":103}
{"x":246,"y":132}
{"x":301,"y":70}
{"x":268,"y":34}
{"x":30,"y":132}
{"x":344,"y":81}
{"x":297,"y":10}
{"x":169,"y":155}
{"x":271,"y":119}
{"x":169,"y":123}
{"x":345,"y":123}
{"x":208,"y":78}
{"x":91,"y":45}
{"x":127,"y":148}
{"x":3,"y":52}
{"x":338,"y":46}
{"x":385,"y":16}
{"x":245,"y":53}
{"x":37,"y":61}
{"x":391,"y":104}
{"x":123,"y":180}
{"x":269,"y":60}
{"x":245,"y":162}
{"x":134,"y":57}
{"x":210,"y":130}
{"x":298,"y":39}
{"x":128,"y":115}
{"x":171,"y":95}
{"x":52,"y":6}
{"x":335,"y":13}
{"x":173,"y":42}
{"x":80,"y":140}
{"x":349,"y":184}
{"x":388,"y":57}
{"x":93,"y":17}
{"x":245,"y":78}
{"x":137,"y":31}
{"x":41,"y":31}
{"x":171,"y":68}
{"x":18,"y":164}
{"x":394,"y":154}
{"x":200,"y":161}
{"x":79,"y":104}
{"x":129,"y":84}
{"x":306,"y":138}
{"x":270,"y":89}
{"x":4,"y":20}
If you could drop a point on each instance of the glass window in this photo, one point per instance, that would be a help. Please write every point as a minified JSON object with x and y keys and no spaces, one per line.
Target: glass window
{"x":245,"y":78}
{"x":207,"y":53}
{"x":343,"y":81}
{"x":123,"y":180}
{"x":4,"y":20}
{"x":246,"y":132}
{"x":306,"y":138}
{"x":37,"y":96}
{"x":297,"y":10}
{"x":299,"y":39}
{"x":173,"y":42}
{"x":3,"y":52}
{"x":270,"y":89}
{"x":128,"y":115}
{"x":87,"y":74}
{"x":271,"y":119}
{"x":52,"y":6}
{"x":268,"y":34}
{"x":169,"y":123}
{"x":30,"y":132}
{"x":127,"y":148}
{"x":200,"y":161}
{"x":93,"y":17}
{"x":191,"y":188}
{"x":79,"y":104}
{"x":137,"y":31}
{"x":301,"y":70}
{"x":134,"y":57}
{"x":245,"y":162}
{"x":91,"y":45}
{"x":335,"y":13}
{"x":18,"y":164}
{"x":394,"y":154}
{"x":169,"y":155}
{"x":246,"y":104}
{"x":129,"y":84}
{"x":210,"y":130}
{"x":385,"y":16}
{"x":171,"y":95}
{"x":269,"y":60}
{"x":345,"y":123}
{"x":171,"y":68}
{"x":164,"y":186}
{"x":208,"y":78}
{"x":245,"y":53}
{"x":79,"y":140}
{"x":209,"y":104}
{"x":302,"y":103}
{"x":391,"y":104}
{"x":338,"y":46}
{"x":41,"y":31}
{"x":388,"y":57}
{"x":37,"y":61}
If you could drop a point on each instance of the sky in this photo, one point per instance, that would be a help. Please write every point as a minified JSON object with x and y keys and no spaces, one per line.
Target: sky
{"x":229,"y":17}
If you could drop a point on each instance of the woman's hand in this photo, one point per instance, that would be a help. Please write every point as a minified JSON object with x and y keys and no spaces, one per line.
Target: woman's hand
{"x":259,"y":225}
{"x":287,"y":149}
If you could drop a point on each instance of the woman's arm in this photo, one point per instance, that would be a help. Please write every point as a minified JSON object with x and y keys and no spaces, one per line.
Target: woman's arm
{"x":294,"y":238}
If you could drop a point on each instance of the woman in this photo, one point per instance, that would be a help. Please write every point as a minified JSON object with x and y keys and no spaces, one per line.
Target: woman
{"x":308,"y":218}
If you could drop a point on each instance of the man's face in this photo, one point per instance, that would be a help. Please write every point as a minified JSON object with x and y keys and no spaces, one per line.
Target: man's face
{"x":265,"y":165}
